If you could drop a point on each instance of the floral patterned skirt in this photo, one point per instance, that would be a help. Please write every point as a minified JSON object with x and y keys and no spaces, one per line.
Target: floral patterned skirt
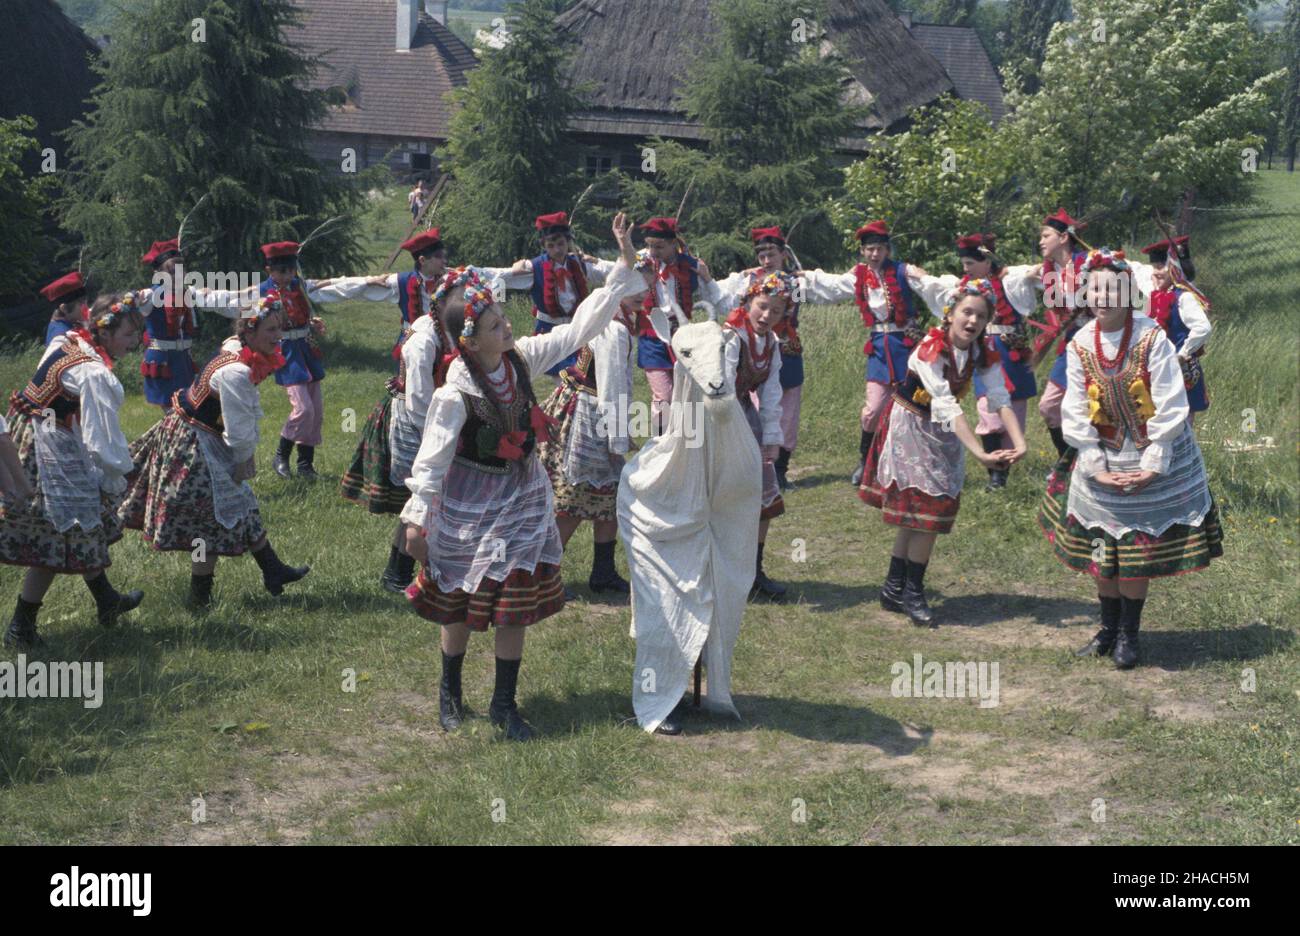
{"x":28,"y":538}
{"x":582,"y":500}
{"x":368,"y":479}
{"x":169,"y":497}
{"x":1135,"y":555}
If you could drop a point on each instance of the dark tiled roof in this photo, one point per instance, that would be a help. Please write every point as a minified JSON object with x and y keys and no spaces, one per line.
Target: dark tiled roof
{"x":964,"y":58}
{"x":633,"y":53}
{"x":397,"y":93}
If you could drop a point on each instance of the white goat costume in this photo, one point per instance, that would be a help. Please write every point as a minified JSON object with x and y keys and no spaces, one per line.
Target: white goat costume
{"x":688,"y":514}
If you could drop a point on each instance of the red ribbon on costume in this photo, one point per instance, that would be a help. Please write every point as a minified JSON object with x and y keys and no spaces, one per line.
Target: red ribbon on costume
{"x":508,"y":446}
{"x":260,"y":365}
{"x":542,"y":424}
{"x":85,"y":336}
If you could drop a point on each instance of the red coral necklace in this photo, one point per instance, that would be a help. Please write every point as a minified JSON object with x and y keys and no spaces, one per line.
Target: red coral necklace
{"x":1121,"y":353}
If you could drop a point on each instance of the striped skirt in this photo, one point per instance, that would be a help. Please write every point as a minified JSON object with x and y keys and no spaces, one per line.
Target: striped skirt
{"x":922,"y":455}
{"x":368,"y":480}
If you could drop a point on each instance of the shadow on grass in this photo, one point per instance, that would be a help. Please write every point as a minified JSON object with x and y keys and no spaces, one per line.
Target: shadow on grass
{"x":1179,"y":650}
{"x":981,"y":610}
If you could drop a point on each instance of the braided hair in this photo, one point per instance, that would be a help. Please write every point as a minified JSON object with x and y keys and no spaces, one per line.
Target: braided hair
{"x":455,"y":327}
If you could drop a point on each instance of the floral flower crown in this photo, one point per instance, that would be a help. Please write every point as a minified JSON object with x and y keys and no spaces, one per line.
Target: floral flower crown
{"x":1105,"y":258}
{"x":773,"y":284}
{"x":123,"y":306}
{"x":260,"y":310}
{"x":644,"y":261}
{"x":461,"y":276}
{"x":478,"y":299}
{"x":976,"y":287}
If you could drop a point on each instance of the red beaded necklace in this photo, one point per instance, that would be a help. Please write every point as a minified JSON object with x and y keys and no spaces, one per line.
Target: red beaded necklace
{"x":1121,"y":353}
{"x":504,"y":389}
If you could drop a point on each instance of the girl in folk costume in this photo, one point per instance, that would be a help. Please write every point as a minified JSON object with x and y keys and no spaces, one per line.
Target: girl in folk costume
{"x":481,"y":513}
{"x":412,"y":290}
{"x":72,"y":453}
{"x":753,"y":361}
{"x":1180,"y":309}
{"x":680,"y":281}
{"x":392,"y":434}
{"x":1015,"y":289}
{"x":883,"y":289}
{"x":1131,"y":502}
{"x":190,"y":485}
{"x":916,"y":466}
{"x":68,"y":294}
{"x":590,"y":442}
{"x":1058,"y":277}
{"x":558,"y":278}
{"x":769,"y":247}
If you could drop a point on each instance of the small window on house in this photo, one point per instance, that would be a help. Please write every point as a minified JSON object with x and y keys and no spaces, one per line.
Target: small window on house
{"x":421,"y":162}
{"x":598,"y":164}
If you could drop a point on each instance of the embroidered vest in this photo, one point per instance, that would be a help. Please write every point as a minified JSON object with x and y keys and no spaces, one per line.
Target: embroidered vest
{"x":197,"y":404}
{"x":46,"y":390}
{"x":1164,"y":309}
{"x":1054,"y":285}
{"x":546,"y":293}
{"x":483,"y":422}
{"x":897,"y":271}
{"x":168,"y":323}
{"x":295,"y":303}
{"x":682,"y":274}
{"x":912,"y":395}
{"x":1118,"y":417}
{"x":751,"y":371}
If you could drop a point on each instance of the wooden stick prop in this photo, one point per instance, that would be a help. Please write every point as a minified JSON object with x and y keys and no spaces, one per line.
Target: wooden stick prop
{"x":180,"y":234}
{"x":698,"y":670}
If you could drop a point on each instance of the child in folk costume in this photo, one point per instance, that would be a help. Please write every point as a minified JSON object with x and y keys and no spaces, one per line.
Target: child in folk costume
{"x":1058,"y":277}
{"x":1015,"y":289}
{"x":883,"y":289}
{"x":481,"y":513}
{"x":392,"y":434}
{"x":68,"y":294}
{"x":64,"y":424}
{"x":168,"y":308}
{"x":1131,"y":502}
{"x":770,"y":249}
{"x":190,"y":485}
{"x":590,"y":442}
{"x":1180,"y":309}
{"x":557,"y":278}
{"x":916,"y":466}
{"x":753,"y":361}
{"x":680,"y":281}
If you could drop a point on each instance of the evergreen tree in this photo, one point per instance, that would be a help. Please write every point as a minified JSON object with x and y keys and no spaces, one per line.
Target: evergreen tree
{"x":772,"y":107}
{"x":1029,"y":23}
{"x":204,"y":97}
{"x":1290,"y":124}
{"x":509,"y":152}
{"x":23,"y":201}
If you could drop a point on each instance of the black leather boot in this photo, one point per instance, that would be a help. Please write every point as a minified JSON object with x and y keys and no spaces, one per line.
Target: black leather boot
{"x":503,"y":711}
{"x":604,"y":575}
{"x":399,"y":572}
{"x":891,"y":593}
{"x":1058,"y":439}
{"x":764,"y":586}
{"x":307,"y":462}
{"x":281,"y":462}
{"x":201,"y":590}
{"x":782,"y":465}
{"x":22,"y":626}
{"x":864,"y":446}
{"x":997,"y":476}
{"x":1126,"y":645}
{"x":275,"y":574}
{"x":1104,"y":640}
{"x":914,"y":595}
{"x":672,"y":725}
{"x":109,"y":603}
{"x":450,"y":708}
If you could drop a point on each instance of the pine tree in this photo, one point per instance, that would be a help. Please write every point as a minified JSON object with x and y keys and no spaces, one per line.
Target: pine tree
{"x":1290,"y":130}
{"x":204,"y":97}
{"x":1030,"y":22}
{"x":23,"y":202}
{"x":509,"y":152}
{"x":771,"y":105}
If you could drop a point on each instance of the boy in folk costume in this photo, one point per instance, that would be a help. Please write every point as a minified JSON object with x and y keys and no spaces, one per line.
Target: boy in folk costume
{"x":192,"y":468}
{"x":770,"y":249}
{"x":1015,"y":289}
{"x":412,"y":290}
{"x":753,"y":362}
{"x":72,"y":453}
{"x":1131,"y":501}
{"x":590,"y":441}
{"x":481,"y":514}
{"x":680,"y":281}
{"x":1063,"y":258}
{"x":557,"y":278}
{"x":169,"y":327}
{"x":68,"y":294}
{"x":916,"y":466}
{"x":1180,"y":309}
{"x":391,"y":437}
{"x":883,"y":289}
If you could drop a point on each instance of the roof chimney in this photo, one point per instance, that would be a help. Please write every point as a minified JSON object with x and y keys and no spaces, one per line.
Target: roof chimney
{"x":906,"y":17}
{"x":437,"y":9}
{"x":408,"y":18}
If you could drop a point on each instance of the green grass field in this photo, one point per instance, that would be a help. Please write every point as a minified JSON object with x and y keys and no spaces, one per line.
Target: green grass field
{"x":240,"y":718}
